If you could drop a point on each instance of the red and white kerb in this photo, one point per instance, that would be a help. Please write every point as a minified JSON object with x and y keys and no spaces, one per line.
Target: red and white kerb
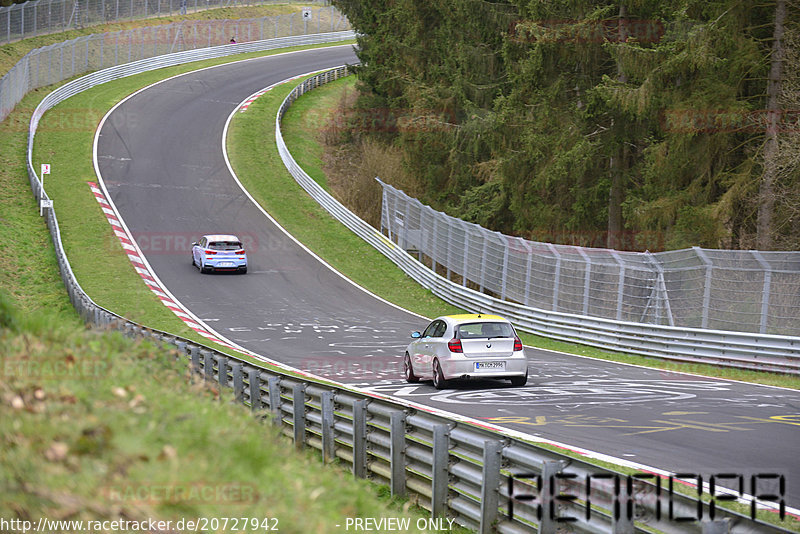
{"x":142,"y":268}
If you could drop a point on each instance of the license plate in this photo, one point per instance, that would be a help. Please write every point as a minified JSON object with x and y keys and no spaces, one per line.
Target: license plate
{"x":490,"y":366}
{"x":226,"y":264}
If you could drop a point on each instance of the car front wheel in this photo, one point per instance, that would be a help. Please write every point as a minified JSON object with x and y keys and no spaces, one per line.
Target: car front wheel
{"x":408,"y":371}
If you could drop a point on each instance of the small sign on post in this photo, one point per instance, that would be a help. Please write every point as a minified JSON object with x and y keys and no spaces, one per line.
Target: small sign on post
{"x":306,"y":13}
{"x":44,"y":203}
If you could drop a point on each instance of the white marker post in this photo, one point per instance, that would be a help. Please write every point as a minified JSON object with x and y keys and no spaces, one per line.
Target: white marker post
{"x":306,"y":18}
{"x":42,"y":202}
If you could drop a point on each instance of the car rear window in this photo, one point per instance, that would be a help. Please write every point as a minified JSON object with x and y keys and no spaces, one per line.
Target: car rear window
{"x":485,"y":330}
{"x":225,"y":245}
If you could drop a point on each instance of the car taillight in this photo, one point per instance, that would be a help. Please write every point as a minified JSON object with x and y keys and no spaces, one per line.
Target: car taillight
{"x":239,"y":252}
{"x":454,"y":345}
{"x":210,"y":252}
{"x":517,"y":344}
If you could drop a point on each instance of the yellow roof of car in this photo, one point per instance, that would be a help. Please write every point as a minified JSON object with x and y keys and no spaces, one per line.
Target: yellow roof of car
{"x":473,"y":316}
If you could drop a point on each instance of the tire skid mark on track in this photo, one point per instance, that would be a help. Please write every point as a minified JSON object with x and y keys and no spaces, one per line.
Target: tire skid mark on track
{"x":127,"y":242}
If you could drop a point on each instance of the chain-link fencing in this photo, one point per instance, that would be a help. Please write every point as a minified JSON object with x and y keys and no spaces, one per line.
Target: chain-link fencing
{"x":55,"y":63}
{"x":742,"y":291}
{"x":38,"y":17}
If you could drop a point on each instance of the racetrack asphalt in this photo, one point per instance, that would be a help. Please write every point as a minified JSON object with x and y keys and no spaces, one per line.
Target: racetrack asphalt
{"x":160,"y":156}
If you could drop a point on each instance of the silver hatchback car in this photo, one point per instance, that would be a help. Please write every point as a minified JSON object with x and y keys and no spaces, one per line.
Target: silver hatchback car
{"x":463,"y":347}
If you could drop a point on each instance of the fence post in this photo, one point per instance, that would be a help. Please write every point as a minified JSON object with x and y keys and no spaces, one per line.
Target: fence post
{"x":490,"y":495}
{"x":328,"y":436}
{"x":504,"y":276}
{"x":397,"y":452}
{"x":587,"y":279}
{"x":765,"y":292}
{"x":620,"y":283}
{"x":556,"y":276}
{"x":439,"y":476}
{"x":360,"y":438}
{"x":707,"y":287}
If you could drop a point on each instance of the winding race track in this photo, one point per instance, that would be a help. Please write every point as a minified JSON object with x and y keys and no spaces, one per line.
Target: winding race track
{"x":160,"y":156}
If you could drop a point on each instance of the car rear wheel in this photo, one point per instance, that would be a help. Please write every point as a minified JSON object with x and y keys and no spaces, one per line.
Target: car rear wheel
{"x":408,"y":371}
{"x":519,"y":381}
{"x":438,"y":377}
{"x":204,"y":269}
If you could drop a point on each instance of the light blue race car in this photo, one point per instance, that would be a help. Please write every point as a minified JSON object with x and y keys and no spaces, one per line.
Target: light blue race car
{"x":219,"y":252}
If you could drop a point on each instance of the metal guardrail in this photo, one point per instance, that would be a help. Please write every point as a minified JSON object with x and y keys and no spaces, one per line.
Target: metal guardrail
{"x":742,"y":350}
{"x":477,"y":476}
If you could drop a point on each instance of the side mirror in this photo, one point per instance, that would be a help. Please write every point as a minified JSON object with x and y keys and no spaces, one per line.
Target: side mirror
{"x":416,"y":335}
{"x":194,"y":243}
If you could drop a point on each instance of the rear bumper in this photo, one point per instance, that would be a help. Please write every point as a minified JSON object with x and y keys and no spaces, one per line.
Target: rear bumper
{"x":465,"y":368}
{"x":226,"y":265}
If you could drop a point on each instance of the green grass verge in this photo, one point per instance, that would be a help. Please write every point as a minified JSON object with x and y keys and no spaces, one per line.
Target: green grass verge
{"x":11,"y":53}
{"x":95,"y":427}
{"x":262,"y":172}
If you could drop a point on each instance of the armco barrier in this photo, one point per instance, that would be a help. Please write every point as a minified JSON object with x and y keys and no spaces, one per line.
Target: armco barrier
{"x":482,"y":479}
{"x":730,"y":349}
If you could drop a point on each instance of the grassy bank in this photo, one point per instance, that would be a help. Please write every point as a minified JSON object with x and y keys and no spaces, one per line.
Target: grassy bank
{"x":94,"y":426}
{"x":256,"y":161}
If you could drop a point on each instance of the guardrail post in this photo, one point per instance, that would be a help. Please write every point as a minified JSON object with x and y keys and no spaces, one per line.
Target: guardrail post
{"x":720,"y":526}
{"x":397,"y":452}
{"x":439,"y":476}
{"x":490,"y":495}
{"x":255,"y":389}
{"x":181,"y":346}
{"x":238,"y":382}
{"x":274,"y":388}
{"x":328,"y":437}
{"x":622,"y":523}
{"x":360,"y":438}
{"x":208,"y":365}
{"x":222,"y":373}
{"x":194,"y":354}
{"x":547,"y":493}
{"x":299,"y":415}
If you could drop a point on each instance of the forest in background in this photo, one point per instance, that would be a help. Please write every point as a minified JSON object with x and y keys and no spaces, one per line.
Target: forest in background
{"x":635,"y":124}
